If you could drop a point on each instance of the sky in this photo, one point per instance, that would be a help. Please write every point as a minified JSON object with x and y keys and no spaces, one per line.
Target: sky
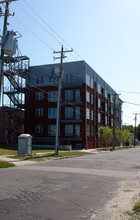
{"x":104,"y":33}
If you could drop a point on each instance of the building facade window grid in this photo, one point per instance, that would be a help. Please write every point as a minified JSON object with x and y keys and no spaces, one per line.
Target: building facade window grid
{"x":88,"y":130}
{"x":51,"y":130}
{"x":52,"y":113}
{"x":68,"y":95}
{"x":87,"y":96}
{"x":100,"y":90}
{"x":52,"y":96}
{"x":68,"y":130}
{"x":39,"y":79}
{"x":39,"y":112}
{"x":99,"y":117}
{"x":99,"y":103}
{"x":88,"y":113}
{"x":92,"y":115}
{"x":69,"y":112}
{"x":91,"y":98}
{"x":77,"y":95}
{"x":77,"y":113}
{"x":77,"y":130}
{"x":39,"y":95}
{"x":39,"y":129}
{"x":92,"y":131}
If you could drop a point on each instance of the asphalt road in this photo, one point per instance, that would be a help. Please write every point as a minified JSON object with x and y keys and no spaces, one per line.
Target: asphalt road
{"x":66,"y":189}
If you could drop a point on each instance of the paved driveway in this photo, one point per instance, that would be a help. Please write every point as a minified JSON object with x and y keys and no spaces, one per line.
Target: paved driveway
{"x":67,"y":189}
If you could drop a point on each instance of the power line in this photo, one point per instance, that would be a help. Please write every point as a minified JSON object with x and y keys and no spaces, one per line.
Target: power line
{"x":51,"y":28}
{"x":38,"y":23}
{"x":53,"y":31}
{"x":34,"y":34}
{"x":131,"y":103}
{"x":129,"y":92}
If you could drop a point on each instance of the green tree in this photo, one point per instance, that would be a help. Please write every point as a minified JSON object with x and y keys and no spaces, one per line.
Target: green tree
{"x":125,"y":136}
{"x":106,"y":135}
{"x":117,"y":135}
{"x":138,"y":132}
{"x":128,"y":127}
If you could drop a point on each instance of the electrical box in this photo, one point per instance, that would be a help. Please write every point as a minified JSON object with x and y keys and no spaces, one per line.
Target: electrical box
{"x":25,"y":144}
{"x":9,"y":43}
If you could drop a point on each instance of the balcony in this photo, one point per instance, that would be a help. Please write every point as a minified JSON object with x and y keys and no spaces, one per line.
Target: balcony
{"x":70,"y":120}
{"x":71,"y":138}
{"x":73,"y":102}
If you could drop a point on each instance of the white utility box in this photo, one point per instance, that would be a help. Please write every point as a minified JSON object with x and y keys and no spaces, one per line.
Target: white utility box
{"x":25,"y":144}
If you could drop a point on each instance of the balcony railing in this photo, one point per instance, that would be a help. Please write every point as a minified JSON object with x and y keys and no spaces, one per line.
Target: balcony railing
{"x":70,"y":120}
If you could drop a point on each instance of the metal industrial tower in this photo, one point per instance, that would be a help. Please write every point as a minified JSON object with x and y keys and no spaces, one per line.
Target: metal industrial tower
{"x":14,"y":69}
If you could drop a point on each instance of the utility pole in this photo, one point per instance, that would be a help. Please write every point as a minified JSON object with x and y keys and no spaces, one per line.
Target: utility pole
{"x":6,"y":15}
{"x":135,"y":127}
{"x":114,"y":119}
{"x":62,"y":52}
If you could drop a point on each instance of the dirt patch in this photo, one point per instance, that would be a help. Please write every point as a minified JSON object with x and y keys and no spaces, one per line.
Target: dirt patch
{"x":128,"y":194}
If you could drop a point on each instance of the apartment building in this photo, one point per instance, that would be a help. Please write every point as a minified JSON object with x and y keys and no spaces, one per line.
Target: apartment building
{"x":86,"y":104}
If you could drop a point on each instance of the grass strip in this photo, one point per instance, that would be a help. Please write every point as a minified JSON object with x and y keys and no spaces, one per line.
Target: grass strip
{"x":116,"y":148}
{"x":48,"y":156}
{"x":5,"y":164}
{"x":13,"y":150}
{"x":135,"y":213}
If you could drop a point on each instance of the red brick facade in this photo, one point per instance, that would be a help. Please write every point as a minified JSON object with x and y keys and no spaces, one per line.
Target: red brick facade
{"x":88,"y":140}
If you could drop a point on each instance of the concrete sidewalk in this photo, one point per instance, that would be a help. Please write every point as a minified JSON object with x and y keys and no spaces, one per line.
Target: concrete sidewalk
{"x":27,"y":162}
{"x":17,"y":162}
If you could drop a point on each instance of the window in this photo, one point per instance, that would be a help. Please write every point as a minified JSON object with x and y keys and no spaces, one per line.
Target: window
{"x":69,"y":95}
{"x":111,"y":97}
{"x":68,"y":112}
{"x":92,"y":131}
{"x":39,"y":112}
{"x":68,"y":130}
{"x":77,"y":113}
{"x":77,"y":95}
{"x":91,"y":98}
{"x":77,"y":77}
{"x":87,"y":113}
{"x":105,"y":94}
{"x":106,"y":107}
{"x":50,"y":79}
{"x":39,"y":129}
{"x":95,"y":85}
{"x":99,"y":117}
{"x":77,"y":130}
{"x":102,"y":91}
{"x":52,"y":113}
{"x":51,"y":130}
{"x":91,"y":83}
{"x":99,"y":89}
{"x":105,"y":120}
{"x":111,"y":122}
{"x":39,"y":95}
{"x":99,"y":132}
{"x":88,"y":80}
{"x":88,"y":130}
{"x":52,"y":96}
{"x":39,"y":79}
{"x":99,"y":103}
{"x":91,"y":114}
{"x":87,"y":96}
{"x":69,"y":77}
